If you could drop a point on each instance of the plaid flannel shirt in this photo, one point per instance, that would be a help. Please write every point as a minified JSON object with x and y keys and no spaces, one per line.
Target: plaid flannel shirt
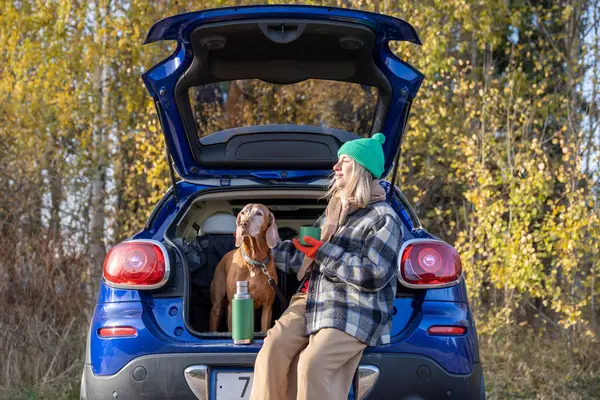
{"x":353,"y":284}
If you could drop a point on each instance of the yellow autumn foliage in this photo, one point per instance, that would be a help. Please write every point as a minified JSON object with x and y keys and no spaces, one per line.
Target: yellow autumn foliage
{"x":500,"y":156}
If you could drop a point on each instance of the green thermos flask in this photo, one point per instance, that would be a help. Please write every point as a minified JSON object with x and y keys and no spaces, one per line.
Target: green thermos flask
{"x":242,"y":310}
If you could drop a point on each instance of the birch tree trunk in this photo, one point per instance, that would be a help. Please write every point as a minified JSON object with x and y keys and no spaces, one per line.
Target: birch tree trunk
{"x":97,"y":248}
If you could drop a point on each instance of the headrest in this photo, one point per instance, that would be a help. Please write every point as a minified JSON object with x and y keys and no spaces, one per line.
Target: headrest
{"x":219,"y":223}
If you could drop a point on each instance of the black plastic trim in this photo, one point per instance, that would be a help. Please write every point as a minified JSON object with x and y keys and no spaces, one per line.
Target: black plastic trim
{"x":398,"y":379}
{"x":227,"y":134}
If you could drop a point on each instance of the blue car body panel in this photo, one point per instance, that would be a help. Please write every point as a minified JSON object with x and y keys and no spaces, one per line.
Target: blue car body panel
{"x":161,"y":80}
{"x":389,"y":28}
{"x":156,"y":335}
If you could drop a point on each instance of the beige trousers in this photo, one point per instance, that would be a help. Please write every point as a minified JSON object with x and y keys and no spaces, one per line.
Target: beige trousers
{"x":293,"y":366}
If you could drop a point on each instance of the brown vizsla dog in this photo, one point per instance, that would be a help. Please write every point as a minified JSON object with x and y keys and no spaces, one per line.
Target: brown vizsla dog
{"x":255,"y":236}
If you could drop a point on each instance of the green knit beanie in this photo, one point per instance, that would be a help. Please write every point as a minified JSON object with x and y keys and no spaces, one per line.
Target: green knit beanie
{"x":367,"y":152}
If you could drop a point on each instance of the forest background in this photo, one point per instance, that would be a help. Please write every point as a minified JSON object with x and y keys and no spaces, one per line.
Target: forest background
{"x":500,"y":159}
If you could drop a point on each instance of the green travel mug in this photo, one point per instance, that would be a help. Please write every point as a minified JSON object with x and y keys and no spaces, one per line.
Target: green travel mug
{"x":311,"y":231}
{"x":242,"y":318}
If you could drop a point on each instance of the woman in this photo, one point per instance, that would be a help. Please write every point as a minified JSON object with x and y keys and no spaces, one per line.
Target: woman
{"x":345,"y":301}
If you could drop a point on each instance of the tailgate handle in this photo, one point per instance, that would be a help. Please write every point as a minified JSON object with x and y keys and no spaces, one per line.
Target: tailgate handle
{"x":282,"y":32}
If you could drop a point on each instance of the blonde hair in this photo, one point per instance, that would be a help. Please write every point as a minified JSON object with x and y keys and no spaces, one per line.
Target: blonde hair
{"x":358,"y":187}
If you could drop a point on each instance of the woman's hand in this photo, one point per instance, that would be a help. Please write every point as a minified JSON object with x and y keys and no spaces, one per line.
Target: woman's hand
{"x":309,"y":251}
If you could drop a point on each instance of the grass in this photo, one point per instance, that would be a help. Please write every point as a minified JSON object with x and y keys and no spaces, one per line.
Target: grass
{"x":64,"y":388}
{"x":526,"y":366}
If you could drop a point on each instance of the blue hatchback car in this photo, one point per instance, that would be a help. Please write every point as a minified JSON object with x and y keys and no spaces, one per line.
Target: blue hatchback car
{"x":254,"y":104}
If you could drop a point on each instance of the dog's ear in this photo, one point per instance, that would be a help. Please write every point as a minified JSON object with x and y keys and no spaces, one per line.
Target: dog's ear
{"x":238,"y":231}
{"x":272,"y":232}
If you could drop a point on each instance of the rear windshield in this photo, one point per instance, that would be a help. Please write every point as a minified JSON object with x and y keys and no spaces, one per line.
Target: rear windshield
{"x":251,"y":102}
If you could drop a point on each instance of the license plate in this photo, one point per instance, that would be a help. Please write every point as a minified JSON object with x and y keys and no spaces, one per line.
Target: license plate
{"x":233,"y":385}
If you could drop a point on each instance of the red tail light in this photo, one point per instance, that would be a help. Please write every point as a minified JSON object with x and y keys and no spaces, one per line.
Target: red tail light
{"x":117,"y":331}
{"x":446,"y":330}
{"x":137,"y":264}
{"x":428,"y":263}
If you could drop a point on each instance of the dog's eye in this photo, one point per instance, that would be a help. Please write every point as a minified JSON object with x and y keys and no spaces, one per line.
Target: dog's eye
{"x":259,"y":213}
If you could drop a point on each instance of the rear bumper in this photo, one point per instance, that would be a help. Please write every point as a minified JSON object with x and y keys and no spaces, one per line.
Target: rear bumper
{"x":415,"y":377}
{"x":161,"y":376}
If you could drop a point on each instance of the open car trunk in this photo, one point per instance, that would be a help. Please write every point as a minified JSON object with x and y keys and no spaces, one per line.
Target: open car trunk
{"x":204,"y":250}
{"x":292,"y":207}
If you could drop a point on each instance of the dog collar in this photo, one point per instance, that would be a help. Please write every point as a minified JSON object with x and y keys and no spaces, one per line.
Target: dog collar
{"x":263,"y":268}
{"x":247,"y":258}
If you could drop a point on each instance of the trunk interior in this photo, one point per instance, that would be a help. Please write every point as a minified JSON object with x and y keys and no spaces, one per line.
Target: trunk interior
{"x":292,"y":208}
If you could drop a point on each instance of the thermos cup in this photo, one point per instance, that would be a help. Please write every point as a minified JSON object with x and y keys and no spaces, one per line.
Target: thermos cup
{"x":311,"y":231}
{"x":242,"y":310}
